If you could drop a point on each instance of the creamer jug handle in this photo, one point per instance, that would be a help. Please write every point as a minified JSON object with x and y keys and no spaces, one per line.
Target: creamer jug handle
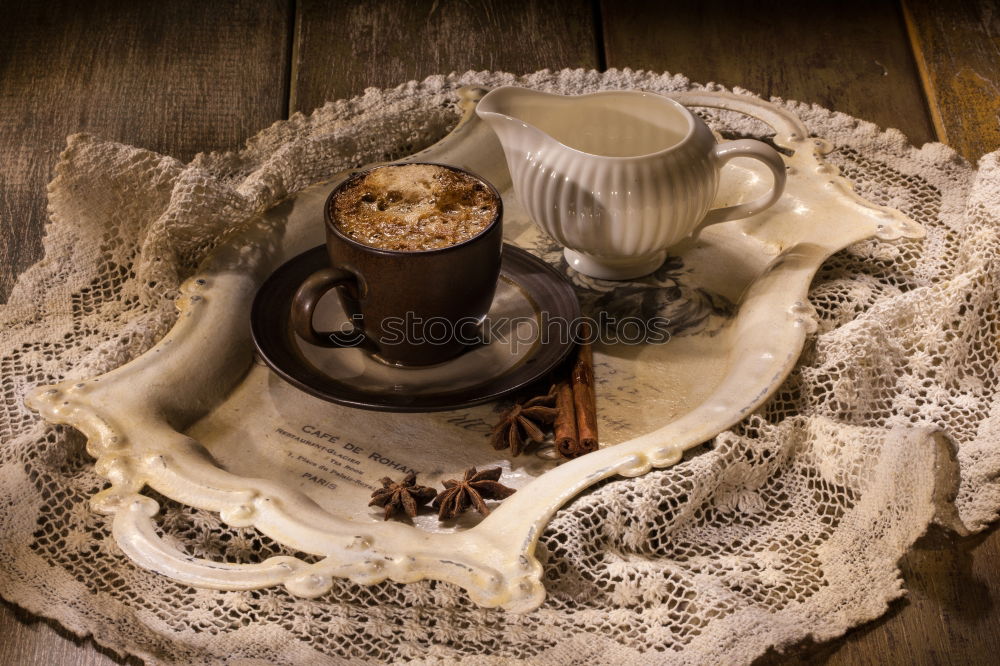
{"x":722,"y":153}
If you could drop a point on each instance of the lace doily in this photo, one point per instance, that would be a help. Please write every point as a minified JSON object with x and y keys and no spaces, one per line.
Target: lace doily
{"x":787,"y":527}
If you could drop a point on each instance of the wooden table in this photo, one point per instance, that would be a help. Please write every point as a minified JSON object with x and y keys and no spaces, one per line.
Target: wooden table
{"x":181,"y":77}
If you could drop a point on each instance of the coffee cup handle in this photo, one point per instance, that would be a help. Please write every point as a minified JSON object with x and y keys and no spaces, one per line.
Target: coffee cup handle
{"x":758,"y":150}
{"x":304,"y":305}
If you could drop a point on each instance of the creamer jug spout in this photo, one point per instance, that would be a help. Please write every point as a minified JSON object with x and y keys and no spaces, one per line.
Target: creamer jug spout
{"x":512,"y":113}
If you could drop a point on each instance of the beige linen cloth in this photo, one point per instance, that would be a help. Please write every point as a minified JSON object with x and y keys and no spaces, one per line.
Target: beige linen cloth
{"x":787,"y":527}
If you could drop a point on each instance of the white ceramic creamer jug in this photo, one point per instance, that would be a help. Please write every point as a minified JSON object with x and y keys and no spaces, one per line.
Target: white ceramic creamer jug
{"x":619,"y":176}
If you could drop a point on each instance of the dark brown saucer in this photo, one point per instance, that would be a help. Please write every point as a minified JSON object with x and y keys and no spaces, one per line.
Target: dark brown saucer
{"x":514,"y":355}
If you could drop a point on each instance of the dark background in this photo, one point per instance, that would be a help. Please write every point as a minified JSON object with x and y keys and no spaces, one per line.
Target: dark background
{"x":181,"y":77}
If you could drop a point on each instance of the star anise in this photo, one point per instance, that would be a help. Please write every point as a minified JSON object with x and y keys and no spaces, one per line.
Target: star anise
{"x":405,"y":495}
{"x":473,"y":490}
{"x":521,"y":423}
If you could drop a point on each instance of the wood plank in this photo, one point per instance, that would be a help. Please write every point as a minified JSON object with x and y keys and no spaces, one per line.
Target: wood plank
{"x":852,"y":56}
{"x":958,"y":54}
{"x":343,"y":48}
{"x":26,"y":640}
{"x":177,"y":77}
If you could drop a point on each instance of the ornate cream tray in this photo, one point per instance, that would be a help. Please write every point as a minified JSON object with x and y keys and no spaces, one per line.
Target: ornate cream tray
{"x":196,"y":419}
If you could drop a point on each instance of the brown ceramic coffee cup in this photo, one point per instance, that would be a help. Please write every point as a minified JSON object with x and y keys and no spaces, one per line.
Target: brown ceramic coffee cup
{"x":408,"y":308}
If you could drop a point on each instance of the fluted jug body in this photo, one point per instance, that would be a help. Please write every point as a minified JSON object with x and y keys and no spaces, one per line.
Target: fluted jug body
{"x":616,"y":177}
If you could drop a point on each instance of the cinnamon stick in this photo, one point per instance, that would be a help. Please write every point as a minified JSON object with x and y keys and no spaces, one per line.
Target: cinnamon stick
{"x":584,"y":398}
{"x":564,"y":427}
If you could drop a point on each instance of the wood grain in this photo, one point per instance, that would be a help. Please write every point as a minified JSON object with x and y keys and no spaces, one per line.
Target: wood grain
{"x":26,"y":640}
{"x":957,"y":48}
{"x":342,"y":48}
{"x":176,"y":77}
{"x":852,"y":56}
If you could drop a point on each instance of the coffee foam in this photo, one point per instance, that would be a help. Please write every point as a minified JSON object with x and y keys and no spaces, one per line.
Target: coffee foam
{"x":415,"y":183}
{"x":414,"y":207}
